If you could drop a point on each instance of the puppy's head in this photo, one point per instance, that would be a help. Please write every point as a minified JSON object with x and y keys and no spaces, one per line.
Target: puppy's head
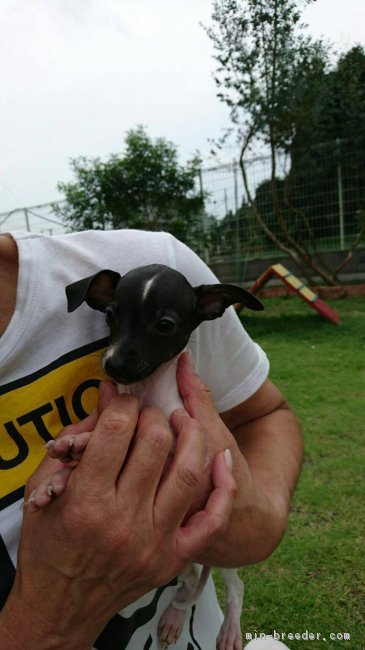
{"x":151,"y":312}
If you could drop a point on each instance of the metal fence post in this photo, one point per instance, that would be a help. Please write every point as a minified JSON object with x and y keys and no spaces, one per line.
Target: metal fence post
{"x":340,"y":196}
{"x":237,"y":223}
{"x":26,"y":215}
{"x":204,"y":221}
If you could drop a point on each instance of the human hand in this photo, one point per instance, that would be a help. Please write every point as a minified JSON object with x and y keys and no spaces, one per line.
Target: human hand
{"x":52,"y":474}
{"x":266,"y":450}
{"x":199,"y":406}
{"x":116,"y":531}
{"x":227,"y":550}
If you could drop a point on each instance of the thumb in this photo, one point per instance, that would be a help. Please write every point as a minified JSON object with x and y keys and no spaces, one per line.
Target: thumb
{"x":51,"y":465}
{"x":107,"y":391}
{"x":195,"y":394}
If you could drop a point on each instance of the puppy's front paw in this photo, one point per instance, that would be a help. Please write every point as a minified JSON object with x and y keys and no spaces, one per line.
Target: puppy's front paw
{"x":69,"y":448}
{"x":51,"y":487}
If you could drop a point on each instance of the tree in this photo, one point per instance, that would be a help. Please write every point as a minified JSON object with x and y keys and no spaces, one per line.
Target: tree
{"x":340,"y":104}
{"x":331,"y":150}
{"x":273,"y":78}
{"x":235,"y":232}
{"x":146,"y":188}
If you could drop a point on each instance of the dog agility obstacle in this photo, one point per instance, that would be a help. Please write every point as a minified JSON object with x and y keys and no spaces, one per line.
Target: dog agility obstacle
{"x":298,"y":287}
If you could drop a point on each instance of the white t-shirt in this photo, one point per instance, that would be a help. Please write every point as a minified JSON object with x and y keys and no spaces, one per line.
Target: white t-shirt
{"x":49,"y":373}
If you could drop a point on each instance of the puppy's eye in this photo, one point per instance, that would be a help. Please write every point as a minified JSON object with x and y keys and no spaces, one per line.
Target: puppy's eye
{"x":165,"y":325}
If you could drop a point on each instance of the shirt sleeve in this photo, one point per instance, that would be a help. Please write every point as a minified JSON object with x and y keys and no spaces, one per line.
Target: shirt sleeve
{"x":226,"y":358}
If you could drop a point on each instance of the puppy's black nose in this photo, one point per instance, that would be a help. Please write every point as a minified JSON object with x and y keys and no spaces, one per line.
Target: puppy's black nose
{"x":125,"y":369}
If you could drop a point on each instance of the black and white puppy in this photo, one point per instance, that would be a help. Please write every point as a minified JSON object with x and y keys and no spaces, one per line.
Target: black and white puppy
{"x":151,"y":312}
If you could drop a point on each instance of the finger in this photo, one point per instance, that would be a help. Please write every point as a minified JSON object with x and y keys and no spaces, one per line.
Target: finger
{"x":213,"y":520}
{"x":195,"y":394}
{"x":152,"y":445}
{"x":184,"y":479}
{"x":108,"y":446}
{"x":107,"y":391}
{"x":49,"y":465}
{"x":199,"y":403}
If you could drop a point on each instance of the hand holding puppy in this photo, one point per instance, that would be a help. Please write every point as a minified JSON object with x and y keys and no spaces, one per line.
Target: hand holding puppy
{"x":117,"y":529}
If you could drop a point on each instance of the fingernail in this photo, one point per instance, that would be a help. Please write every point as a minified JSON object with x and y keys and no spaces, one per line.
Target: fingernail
{"x":32,"y":497}
{"x":102,"y":387}
{"x":183,"y":413}
{"x":228,"y":458}
{"x":29,"y":504}
{"x":177,"y":420}
{"x":49,"y":444}
{"x":179,"y":413}
{"x":191,"y":359}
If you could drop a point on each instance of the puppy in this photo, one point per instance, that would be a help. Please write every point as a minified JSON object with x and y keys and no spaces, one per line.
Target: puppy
{"x":151,"y":312}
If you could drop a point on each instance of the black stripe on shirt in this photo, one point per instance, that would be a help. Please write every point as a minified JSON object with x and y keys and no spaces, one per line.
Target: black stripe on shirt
{"x":191,"y":625}
{"x":7,"y":573}
{"x":120,"y":629}
{"x":9,"y":499}
{"x":61,"y":361}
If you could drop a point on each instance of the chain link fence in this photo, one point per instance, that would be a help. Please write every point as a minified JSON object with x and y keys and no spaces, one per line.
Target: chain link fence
{"x":37,"y":218}
{"x":323,"y":201}
{"x":320,"y":196}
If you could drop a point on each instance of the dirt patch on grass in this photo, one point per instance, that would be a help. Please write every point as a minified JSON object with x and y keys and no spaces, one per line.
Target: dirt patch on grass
{"x":326,"y":293}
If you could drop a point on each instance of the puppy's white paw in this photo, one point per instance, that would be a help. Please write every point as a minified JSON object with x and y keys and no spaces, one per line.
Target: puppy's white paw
{"x":230,"y":635}
{"x":170,"y":626}
{"x":51,"y":487}
{"x":69,"y":448}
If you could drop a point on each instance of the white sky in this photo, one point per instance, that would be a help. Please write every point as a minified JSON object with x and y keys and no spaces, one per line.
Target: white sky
{"x":77,"y":74}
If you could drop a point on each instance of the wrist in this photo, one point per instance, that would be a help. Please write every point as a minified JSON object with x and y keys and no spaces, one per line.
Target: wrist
{"x":41,"y":625}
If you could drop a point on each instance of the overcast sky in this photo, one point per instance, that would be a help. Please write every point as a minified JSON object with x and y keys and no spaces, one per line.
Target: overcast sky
{"x":77,"y":74}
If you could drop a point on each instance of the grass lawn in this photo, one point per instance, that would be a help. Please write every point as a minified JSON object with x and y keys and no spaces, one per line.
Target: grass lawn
{"x":315,"y":580}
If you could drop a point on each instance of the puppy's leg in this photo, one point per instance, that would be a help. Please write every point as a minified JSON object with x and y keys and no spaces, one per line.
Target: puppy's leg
{"x":68,"y":448}
{"x":230,"y":636}
{"x":173,"y":619}
{"x":51,"y":487}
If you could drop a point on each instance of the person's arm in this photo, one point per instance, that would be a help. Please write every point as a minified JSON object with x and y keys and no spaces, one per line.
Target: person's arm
{"x":117,"y":530}
{"x":265,"y":440}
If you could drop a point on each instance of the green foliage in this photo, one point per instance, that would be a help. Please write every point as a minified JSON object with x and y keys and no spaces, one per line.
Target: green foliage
{"x":314,"y":580}
{"x":333,"y":141}
{"x":146,"y":188}
{"x":231,"y":231}
{"x":282,"y":92}
{"x":339,"y":103}
{"x":265,"y":64}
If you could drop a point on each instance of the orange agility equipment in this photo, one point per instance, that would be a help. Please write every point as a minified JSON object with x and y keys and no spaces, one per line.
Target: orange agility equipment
{"x":299,"y":288}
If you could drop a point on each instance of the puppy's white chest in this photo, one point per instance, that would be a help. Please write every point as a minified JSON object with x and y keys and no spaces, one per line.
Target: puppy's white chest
{"x":159,"y":390}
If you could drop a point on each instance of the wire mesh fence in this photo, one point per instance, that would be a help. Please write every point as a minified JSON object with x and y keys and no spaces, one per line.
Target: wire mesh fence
{"x":37,"y":218}
{"x":318,"y":201}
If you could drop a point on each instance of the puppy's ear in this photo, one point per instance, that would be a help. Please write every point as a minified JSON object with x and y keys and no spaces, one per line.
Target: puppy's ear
{"x":97,"y":290}
{"x":213,"y":299}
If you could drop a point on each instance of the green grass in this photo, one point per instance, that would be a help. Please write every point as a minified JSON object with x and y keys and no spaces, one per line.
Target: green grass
{"x":315,"y":579}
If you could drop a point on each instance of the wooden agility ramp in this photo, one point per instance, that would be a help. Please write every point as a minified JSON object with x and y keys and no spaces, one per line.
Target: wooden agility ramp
{"x":298,"y":287}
